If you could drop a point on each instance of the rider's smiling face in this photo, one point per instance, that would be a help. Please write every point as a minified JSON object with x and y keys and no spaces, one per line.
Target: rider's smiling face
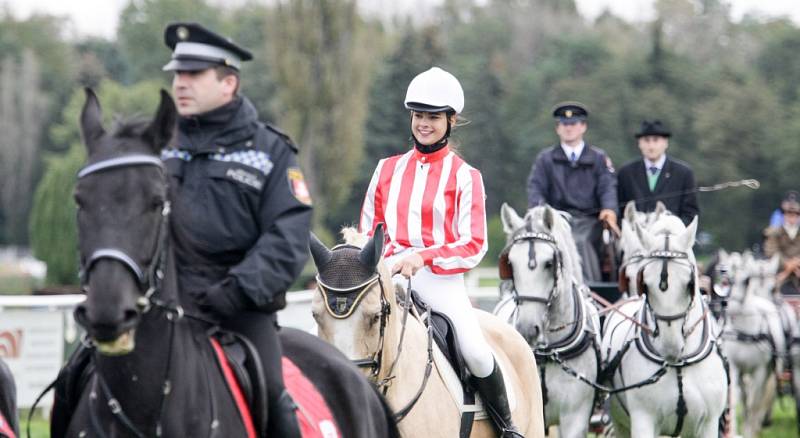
{"x":428,"y":128}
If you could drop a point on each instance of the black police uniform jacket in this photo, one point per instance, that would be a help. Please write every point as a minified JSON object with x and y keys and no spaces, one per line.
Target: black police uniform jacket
{"x":674,"y":187}
{"x":241,"y":215}
{"x":581,"y":188}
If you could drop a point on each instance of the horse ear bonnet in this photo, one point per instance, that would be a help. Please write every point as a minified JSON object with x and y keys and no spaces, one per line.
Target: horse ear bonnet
{"x":345,"y":270}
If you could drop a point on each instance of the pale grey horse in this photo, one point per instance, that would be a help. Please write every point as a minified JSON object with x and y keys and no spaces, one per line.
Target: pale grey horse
{"x":753,"y":340}
{"x":666,"y":365}
{"x":548,"y":306}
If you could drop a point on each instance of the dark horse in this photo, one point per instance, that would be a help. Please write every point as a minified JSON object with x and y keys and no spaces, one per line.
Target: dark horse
{"x":8,"y":403}
{"x":155,"y":371}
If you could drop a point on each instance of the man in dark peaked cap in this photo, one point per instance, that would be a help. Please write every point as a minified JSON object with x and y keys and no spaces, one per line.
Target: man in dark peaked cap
{"x":657,"y":177}
{"x":577,"y":178}
{"x":241,"y":216}
{"x":242,"y":211}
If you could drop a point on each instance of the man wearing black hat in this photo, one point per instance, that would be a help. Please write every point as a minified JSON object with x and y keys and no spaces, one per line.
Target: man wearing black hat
{"x":657,"y":177}
{"x":577,"y":178}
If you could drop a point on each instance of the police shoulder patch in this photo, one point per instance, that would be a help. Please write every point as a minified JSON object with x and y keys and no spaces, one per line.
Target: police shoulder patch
{"x":297,"y":185}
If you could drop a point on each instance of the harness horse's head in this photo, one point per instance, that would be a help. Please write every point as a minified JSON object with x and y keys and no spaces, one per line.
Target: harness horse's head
{"x":353,"y":304}
{"x":534,"y":258}
{"x":667,"y":277}
{"x":123,"y":208}
{"x":762,"y":276}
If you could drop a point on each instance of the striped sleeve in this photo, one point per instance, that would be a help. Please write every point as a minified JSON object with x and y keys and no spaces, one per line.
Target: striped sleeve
{"x":369,"y":213}
{"x":471,"y":245}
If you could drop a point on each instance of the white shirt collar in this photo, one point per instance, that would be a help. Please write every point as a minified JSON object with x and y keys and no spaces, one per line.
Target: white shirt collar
{"x":658,"y":164}
{"x":791,"y":231}
{"x":568,"y":150}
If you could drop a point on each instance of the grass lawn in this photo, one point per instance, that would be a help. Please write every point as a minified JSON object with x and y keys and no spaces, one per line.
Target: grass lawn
{"x":783,"y":421}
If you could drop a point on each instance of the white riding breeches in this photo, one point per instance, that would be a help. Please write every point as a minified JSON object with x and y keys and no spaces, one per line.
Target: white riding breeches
{"x":448,"y":294}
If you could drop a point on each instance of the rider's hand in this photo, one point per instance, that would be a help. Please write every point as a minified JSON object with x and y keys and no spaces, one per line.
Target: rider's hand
{"x":607,"y":215}
{"x":223,"y":300}
{"x":409,"y":265}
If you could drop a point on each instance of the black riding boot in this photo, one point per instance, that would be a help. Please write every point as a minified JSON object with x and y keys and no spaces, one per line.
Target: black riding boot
{"x":492,"y":390}
{"x":283,"y":418}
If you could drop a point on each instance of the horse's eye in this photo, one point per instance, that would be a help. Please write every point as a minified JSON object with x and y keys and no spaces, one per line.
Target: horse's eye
{"x":548,"y":264}
{"x":374,"y":319}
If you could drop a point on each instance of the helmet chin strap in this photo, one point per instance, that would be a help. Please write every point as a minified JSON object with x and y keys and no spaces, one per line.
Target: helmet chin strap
{"x":431,"y":148}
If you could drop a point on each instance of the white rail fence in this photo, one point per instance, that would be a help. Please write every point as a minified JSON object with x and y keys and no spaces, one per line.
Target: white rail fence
{"x":36,"y":331}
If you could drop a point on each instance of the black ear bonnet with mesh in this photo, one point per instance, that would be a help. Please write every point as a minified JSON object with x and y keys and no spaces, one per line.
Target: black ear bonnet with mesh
{"x":346,"y":272}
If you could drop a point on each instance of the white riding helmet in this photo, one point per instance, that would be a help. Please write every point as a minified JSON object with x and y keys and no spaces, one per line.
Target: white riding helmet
{"x":434,"y":91}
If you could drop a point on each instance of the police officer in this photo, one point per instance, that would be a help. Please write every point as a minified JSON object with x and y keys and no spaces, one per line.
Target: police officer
{"x":658,"y":177}
{"x":241,"y":209}
{"x":577,"y":178}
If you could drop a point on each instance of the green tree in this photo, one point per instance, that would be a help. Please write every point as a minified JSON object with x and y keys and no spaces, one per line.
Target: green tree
{"x":323,"y":55}
{"x":141,"y":31}
{"x":388,"y":122}
{"x":52,"y":227}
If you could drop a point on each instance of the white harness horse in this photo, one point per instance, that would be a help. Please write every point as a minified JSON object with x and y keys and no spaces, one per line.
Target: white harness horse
{"x":548,"y":306}
{"x":753,"y":340}
{"x":666,"y":369}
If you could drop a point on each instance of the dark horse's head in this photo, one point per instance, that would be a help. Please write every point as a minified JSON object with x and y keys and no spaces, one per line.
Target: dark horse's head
{"x":123,"y":208}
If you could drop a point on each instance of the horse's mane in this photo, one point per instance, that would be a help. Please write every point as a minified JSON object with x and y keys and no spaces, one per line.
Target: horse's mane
{"x":353,"y":237}
{"x":562,"y":232}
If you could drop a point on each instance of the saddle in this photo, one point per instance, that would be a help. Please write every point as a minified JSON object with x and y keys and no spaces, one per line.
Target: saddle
{"x":453,"y":369}
{"x":242,"y":363}
{"x":241,"y":367}
{"x":444,"y":335}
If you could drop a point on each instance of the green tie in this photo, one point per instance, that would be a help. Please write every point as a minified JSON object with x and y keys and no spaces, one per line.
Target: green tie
{"x":652,"y":177}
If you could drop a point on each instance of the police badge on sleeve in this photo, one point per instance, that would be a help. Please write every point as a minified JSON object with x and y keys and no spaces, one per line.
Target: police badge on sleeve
{"x":297,"y":185}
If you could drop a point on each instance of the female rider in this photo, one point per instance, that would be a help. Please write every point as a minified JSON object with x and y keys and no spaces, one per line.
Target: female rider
{"x":432,"y":203}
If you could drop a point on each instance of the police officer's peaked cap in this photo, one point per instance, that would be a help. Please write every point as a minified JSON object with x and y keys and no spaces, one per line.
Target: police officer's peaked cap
{"x":653,"y":128}
{"x":196,"y":48}
{"x":570,"y":111}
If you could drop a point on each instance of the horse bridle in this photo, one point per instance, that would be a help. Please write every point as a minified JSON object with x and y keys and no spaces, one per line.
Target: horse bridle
{"x":148,"y":278}
{"x":507,"y":273}
{"x":665,"y":256}
{"x":375,"y":362}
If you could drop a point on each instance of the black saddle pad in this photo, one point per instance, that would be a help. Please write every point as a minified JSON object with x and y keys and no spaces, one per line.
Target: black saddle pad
{"x":445,"y":337}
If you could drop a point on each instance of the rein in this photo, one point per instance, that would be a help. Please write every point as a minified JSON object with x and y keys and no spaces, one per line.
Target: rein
{"x":375,"y":363}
